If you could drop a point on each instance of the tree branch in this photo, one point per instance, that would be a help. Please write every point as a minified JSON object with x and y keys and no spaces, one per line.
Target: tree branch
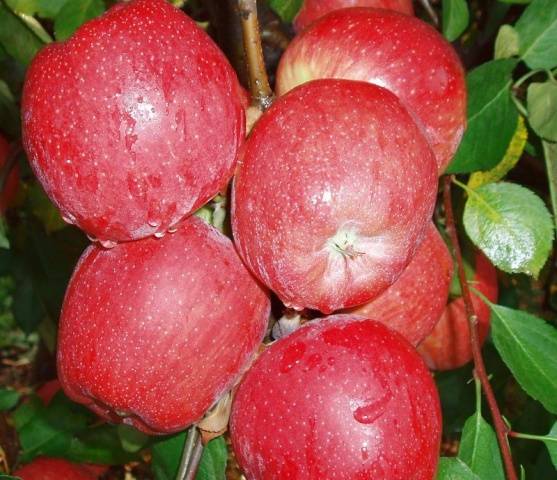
{"x":191,"y":456}
{"x":501,"y":428}
{"x":261,"y":93}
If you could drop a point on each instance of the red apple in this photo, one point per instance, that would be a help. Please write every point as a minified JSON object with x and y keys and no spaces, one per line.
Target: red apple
{"x":153,"y":332}
{"x":336,"y":186}
{"x":342,"y":397}
{"x":10,"y":186}
{"x":415,"y":302}
{"x":48,"y":390}
{"x":132,"y":123}
{"x":448,"y":346}
{"x":313,"y":9}
{"x":395,"y":51}
{"x":45,"y":468}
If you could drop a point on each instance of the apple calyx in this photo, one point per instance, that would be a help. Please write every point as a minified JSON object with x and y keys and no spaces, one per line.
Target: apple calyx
{"x":345,"y":242}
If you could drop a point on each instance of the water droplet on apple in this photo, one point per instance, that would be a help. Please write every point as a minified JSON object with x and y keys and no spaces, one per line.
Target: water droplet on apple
{"x":159,"y":234}
{"x":371,"y":410}
{"x":154,"y":223}
{"x":172,"y":229}
{"x":68,"y":218}
{"x":291,"y":356}
{"x":365,"y":453}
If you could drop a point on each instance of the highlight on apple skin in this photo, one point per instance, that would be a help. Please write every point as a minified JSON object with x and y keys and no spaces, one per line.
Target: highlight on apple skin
{"x":153,"y":332}
{"x":335,"y":188}
{"x":342,"y":397}
{"x":395,"y":51}
{"x":415,"y":302}
{"x":151,"y":88}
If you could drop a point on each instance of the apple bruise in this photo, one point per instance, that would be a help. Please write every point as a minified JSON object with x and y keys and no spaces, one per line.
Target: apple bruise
{"x":392,"y":50}
{"x":335,"y":187}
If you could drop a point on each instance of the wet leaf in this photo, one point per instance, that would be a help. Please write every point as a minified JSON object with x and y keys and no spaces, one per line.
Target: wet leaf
{"x":542,"y":109}
{"x":511,"y":225}
{"x":454,"y":469}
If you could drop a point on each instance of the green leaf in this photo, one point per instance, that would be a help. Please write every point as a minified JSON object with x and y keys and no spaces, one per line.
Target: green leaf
{"x":286,"y":9}
{"x":4,"y":242}
{"x":542,"y":109}
{"x":101,"y":445}
{"x":455,"y":18}
{"x":16,"y":38}
{"x":167,"y":453}
{"x":27,"y":308}
{"x":550,"y":155}
{"x":452,"y":468}
{"x":28,"y":7}
{"x":8,"y":477}
{"x":552,"y":446}
{"x":48,"y":430}
{"x":132,"y":440}
{"x":9,"y":112}
{"x":511,"y":225}
{"x":41,"y":206}
{"x":213,"y":461}
{"x":8,"y":399}
{"x":479,"y":449}
{"x":75,"y":13}
{"x":537,"y":28}
{"x":507,"y":42}
{"x":50,"y":8}
{"x":511,"y":158}
{"x":527,"y":345}
{"x":492,"y":117}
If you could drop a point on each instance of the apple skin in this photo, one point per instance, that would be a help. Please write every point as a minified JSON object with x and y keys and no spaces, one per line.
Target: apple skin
{"x":335,"y":188}
{"x":415,"y":302}
{"x":448,"y":345}
{"x":46,"y":468}
{"x":396,"y":51}
{"x":153,"y":332}
{"x":313,"y":9}
{"x":134,"y":122}
{"x":10,"y":187}
{"x":48,"y":390}
{"x":342,"y":397}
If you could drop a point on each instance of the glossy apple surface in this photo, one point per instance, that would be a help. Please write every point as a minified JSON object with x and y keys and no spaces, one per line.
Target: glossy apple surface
{"x":342,"y":397}
{"x":45,"y":468}
{"x":132,"y":123}
{"x":395,"y":51}
{"x":153,"y":332}
{"x":415,"y":302}
{"x":448,"y":345}
{"x":313,"y":9}
{"x":10,"y":187}
{"x":336,"y":186}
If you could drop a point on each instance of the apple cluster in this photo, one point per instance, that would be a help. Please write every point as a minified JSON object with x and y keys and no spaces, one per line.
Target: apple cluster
{"x":138,"y":120}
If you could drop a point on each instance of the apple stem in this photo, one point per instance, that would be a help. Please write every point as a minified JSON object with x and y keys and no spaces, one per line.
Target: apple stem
{"x":501,"y":429}
{"x":261,"y":92}
{"x":15,"y":148}
{"x":430,"y":11}
{"x":191,"y":456}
